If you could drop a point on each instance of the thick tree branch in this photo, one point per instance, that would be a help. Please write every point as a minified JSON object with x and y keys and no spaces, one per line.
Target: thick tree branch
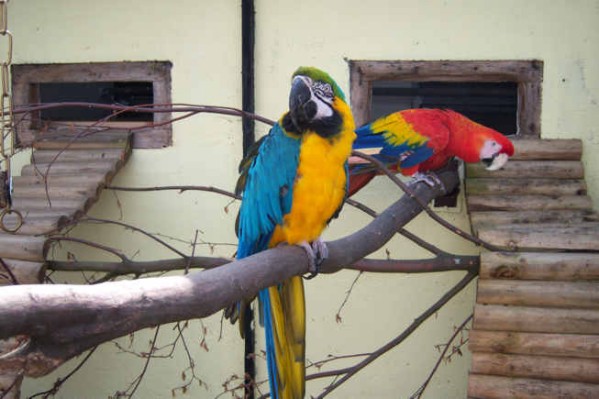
{"x":64,"y":320}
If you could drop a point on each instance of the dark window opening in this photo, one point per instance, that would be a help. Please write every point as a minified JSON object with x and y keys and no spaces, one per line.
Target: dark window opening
{"x":111,"y":93}
{"x":493,"y":104}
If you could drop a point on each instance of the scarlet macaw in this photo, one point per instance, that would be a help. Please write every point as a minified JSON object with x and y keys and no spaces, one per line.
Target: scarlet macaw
{"x":293,"y":181}
{"x":421,"y":140}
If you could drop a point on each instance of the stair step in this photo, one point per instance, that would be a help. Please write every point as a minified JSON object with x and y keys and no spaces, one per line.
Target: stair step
{"x":22,"y":247}
{"x":528,"y":202}
{"x":529,"y":169}
{"x":530,"y":186}
{"x":553,"y":149}
{"x":21,"y":191}
{"x":557,"y":294}
{"x":66,"y":168}
{"x":546,"y":266}
{"x":47,"y":156}
{"x":25,"y":272}
{"x":536,"y":319}
{"x":72,"y":179}
{"x":494,"y":387}
{"x":492,"y":218}
{"x":579,"y":236}
{"x":22,"y":204}
{"x":65,"y":140}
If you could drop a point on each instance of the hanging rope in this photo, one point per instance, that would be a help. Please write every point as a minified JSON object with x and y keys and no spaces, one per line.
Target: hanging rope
{"x":7,"y":141}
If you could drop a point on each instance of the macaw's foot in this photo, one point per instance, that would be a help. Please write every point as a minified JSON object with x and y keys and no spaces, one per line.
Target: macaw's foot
{"x":317,"y":253}
{"x":430,"y":178}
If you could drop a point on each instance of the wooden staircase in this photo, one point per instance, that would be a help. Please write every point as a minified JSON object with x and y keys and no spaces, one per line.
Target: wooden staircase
{"x":536,"y":320}
{"x":62,"y":182}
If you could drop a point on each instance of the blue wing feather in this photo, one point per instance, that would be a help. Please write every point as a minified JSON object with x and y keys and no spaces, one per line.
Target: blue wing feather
{"x":268,"y":190}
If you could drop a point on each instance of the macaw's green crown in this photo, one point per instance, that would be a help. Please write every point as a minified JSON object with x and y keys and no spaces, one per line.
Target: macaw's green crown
{"x":318,"y":75}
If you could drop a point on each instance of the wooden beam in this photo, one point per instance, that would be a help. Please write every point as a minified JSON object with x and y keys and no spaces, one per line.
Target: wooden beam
{"x":511,"y":342}
{"x":540,"y":266}
{"x":543,"y":367}
{"x":28,"y":248}
{"x":530,"y":186}
{"x":25,"y":272}
{"x":547,"y":149}
{"x":494,"y":218}
{"x":558,"y":294}
{"x":496,"y":387}
{"x":478,"y":203}
{"x":103,"y":166}
{"x":47,"y":156}
{"x":579,"y":237}
{"x":530,"y":319}
{"x":529,"y":169}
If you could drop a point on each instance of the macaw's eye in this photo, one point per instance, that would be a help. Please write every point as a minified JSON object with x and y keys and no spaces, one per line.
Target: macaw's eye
{"x":324,"y":91}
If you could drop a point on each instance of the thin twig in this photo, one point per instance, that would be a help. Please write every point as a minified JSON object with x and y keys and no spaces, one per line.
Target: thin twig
{"x":59,"y":382}
{"x":420,"y":391}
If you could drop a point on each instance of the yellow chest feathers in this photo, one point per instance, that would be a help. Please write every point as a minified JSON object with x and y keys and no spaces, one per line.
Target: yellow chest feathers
{"x":320,"y":185}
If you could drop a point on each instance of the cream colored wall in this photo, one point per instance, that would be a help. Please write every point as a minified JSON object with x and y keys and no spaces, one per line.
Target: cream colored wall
{"x":202,"y":39}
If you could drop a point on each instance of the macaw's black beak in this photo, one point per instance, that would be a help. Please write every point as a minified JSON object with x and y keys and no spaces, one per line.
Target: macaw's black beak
{"x":301,"y":107}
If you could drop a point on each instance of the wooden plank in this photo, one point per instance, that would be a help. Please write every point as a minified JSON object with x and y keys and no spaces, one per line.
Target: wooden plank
{"x":38,"y":225}
{"x":28,"y":248}
{"x":24,"y":204}
{"x":540,"y":266}
{"x":497,"y":387}
{"x":530,"y":186}
{"x":518,"y":217}
{"x":529,"y":169}
{"x":24,"y":272}
{"x":558,"y":294}
{"x":47,"y":156}
{"x":73,"y":179}
{"x":479,"y":203}
{"x":542,"y":320}
{"x":80,"y":191}
{"x":547,"y":149}
{"x":511,"y":342}
{"x":57,"y":168}
{"x":542,"y":367}
{"x":579,"y":237}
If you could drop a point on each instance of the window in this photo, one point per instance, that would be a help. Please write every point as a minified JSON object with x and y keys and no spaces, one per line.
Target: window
{"x":123,"y":83}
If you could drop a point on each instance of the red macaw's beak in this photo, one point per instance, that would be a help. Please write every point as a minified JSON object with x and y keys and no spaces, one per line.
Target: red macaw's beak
{"x":497,"y":162}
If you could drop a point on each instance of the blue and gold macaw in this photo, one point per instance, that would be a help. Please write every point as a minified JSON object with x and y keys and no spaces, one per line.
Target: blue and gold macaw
{"x":293,"y":182}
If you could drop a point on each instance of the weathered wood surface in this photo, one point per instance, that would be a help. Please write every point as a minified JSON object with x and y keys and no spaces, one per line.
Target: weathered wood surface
{"x":74,"y":179}
{"x":19,"y":247}
{"x":69,"y":139}
{"x":47,"y":156}
{"x":520,"y":343}
{"x":38,"y":225}
{"x":542,"y":367}
{"x":558,"y":294}
{"x":547,"y":149}
{"x":46,"y":169}
{"x":24,"y":272}
{"x":55,"y":191}
{"x":529,"y":169}
{"x":10,"y":380}
{"x":534,"y":319}
{"x":495,"y":218}
{"x":497,"y":387}
{"x":540,"y":266}
{"x":580,"y":237}
{"x":530,"y":186}
{"x":478,"y":203}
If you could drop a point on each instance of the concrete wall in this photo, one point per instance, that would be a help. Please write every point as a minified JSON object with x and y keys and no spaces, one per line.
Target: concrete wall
{"x":202,"y":39}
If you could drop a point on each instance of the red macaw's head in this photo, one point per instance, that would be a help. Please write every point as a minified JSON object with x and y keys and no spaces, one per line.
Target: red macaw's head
{"x":477,"y":143}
